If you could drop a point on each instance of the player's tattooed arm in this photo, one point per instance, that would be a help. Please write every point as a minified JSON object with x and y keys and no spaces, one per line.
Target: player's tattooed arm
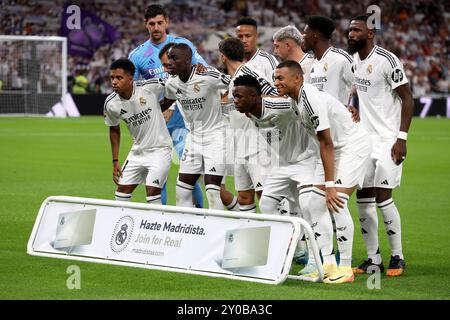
{"x":398,"y":151}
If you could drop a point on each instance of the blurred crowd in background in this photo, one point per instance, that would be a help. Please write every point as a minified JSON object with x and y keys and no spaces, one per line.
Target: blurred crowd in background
{"x":417,"y":31}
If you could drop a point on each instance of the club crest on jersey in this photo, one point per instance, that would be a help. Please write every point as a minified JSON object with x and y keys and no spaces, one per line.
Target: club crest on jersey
{"x":142,"y":101}
{"x":325,"y":67}
{"x":197,"y":87}
{"x":369,"y":69}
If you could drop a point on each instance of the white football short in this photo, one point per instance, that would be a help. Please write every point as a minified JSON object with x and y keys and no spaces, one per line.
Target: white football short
{"x":284,"y":178}
{"x":350,"y":165}
{"x":148,"y":166}
{"x":382,"y":172}
{"x":249,"y":173}
{"x":204,"y":155}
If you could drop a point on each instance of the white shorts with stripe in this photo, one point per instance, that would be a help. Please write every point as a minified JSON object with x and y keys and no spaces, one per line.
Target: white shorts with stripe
{"x":204,"y":155}
{"x":148,"y":166}
{"x":350,"y":164}
{"x":250,"y":173}
{"x":382,"y":172}
{"x":286,"y":180}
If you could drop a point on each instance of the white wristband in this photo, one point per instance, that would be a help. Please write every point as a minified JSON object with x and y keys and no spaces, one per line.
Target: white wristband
{"x":402,"y":135}
{"x":329,"y":184}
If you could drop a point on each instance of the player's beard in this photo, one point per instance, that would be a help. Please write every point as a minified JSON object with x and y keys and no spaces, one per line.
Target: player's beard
{"x":156,"y":36}
{"x":356,"y":45}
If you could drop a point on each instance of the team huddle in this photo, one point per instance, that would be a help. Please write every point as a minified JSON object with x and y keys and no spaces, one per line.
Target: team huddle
{"x":287,"y":132}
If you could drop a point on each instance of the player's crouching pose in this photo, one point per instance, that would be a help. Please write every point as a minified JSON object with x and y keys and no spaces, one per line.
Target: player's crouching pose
{"x":344,"y":153}
{"x":137,"y":104}
{"x":204,"y":152}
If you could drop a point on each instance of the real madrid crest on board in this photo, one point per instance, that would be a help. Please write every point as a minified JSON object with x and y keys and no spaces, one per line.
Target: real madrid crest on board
{"x":122,"y":233}
{"x":369,"y":69}
{"x":196,"y":87}
{"x":142,"y":101}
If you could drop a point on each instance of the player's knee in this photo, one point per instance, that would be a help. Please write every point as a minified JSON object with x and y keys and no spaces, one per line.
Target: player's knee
{"x":152,"y":191}
{"x":125,"y":188}
{"x":246,"y":198}
{"x":211,"y":179}
{"x":268,"y":205}
{"x":383,"y":194}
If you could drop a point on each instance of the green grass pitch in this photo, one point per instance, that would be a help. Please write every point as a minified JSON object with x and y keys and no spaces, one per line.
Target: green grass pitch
{"x":41,"y":157}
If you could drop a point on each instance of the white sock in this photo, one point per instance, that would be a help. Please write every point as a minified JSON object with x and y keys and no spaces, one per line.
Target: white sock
{"x":303,"y":199}
{"x":269,"y":204}
{"x":322,"y":225}
{"x":184,"y":194}
{"x":392,"y":225}
{"x":311,"y":258}
{"x":233,"y":206}
{"x":344,"y":232}
{"x":368,"y":219}
{"x":248,"y":207}
{"x":154,"y":199}
{"x":213,"y":195}
{"x":120,"y":196}
{"x":294,"y":207}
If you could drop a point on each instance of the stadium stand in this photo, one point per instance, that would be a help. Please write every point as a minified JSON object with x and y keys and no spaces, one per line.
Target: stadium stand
{"x":415,"y":30}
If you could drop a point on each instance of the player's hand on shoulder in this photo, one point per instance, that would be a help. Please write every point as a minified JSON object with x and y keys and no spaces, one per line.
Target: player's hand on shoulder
{"x":199,"y":68}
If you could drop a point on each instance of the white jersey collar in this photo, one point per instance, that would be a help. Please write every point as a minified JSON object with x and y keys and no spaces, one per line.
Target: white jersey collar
{"x":254,"y":56}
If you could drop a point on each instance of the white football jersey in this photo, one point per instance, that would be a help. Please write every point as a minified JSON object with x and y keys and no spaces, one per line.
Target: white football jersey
{"x":319,"y":111}
{"x":247,"y":140}
{"x":333,"y":73}
{"x":199,"y":98}
{"x":376,"y":78}
{"x":142,"y":115}
{"x":288,"y":139}
{"x":265,"y":63}
{"x":306,"y":63}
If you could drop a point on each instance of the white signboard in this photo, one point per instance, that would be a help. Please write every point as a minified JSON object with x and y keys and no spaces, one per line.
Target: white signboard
{"x":252,"y":247}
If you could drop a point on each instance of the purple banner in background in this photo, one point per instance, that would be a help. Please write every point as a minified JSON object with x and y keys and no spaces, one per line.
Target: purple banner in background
{"x":85,"y":31}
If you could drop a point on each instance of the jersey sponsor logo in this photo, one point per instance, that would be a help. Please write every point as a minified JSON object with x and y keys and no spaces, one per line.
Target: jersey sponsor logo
{"x":193,"y":104}
{"x":397,"y":75}
{"x":139,"y":118}
{"x":142,"y":101}
{"x":179,"y":91}
{"x":361,"y":84}
{"x":154,"y":72}
{"x":315,"y":80}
